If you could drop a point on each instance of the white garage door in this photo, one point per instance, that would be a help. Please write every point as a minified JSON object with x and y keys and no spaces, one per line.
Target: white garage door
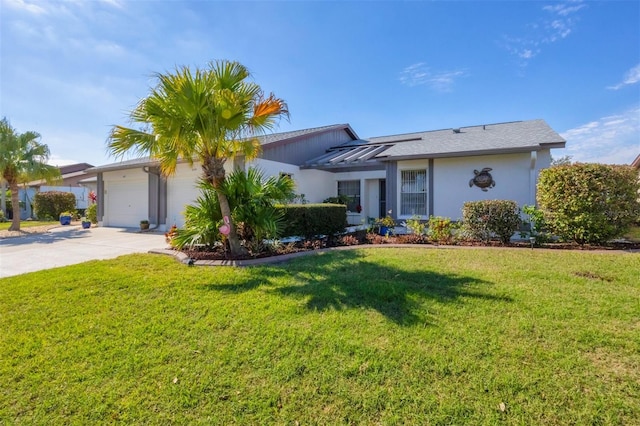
{"x":181,"y":191}
{"x":127,"y":203}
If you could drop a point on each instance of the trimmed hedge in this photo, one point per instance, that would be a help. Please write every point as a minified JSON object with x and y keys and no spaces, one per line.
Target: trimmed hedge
{"x":483,"y":219}
{"x":310,"y":220}
{"x":589,"y":203}
{"x":49,"y":205}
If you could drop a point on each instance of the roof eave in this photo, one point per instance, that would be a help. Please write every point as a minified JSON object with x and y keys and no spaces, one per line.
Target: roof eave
{"x":476,"y":153}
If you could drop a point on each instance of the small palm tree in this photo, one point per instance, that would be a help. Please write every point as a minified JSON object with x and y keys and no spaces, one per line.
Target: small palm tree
{"x":208,"y":115}
{"x":22,"y":158}
{"x":252,"y":198}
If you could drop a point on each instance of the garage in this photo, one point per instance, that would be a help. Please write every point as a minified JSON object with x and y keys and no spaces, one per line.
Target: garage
{"x":127,"y":202}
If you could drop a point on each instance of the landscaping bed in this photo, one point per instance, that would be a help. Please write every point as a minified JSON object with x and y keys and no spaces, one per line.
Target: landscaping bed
{"x":372,"y":239}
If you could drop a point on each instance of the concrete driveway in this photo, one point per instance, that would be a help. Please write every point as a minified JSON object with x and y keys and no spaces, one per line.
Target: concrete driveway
{"x":68,"y":246}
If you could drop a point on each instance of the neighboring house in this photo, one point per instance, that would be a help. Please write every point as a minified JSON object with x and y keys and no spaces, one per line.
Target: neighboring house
{"x":74,"y":178}
{"x":423,"y":173}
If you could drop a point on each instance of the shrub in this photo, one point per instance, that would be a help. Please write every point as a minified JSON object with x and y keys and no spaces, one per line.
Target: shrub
{"x":92,"y":213}
{"x":483,"y":219}
{"x":49,"y":205}
{"x":416,"y":225}
{"x":538,"y":226}
{"x":441,"y":229}
{"x":310,"y":220}
{"x":2,"y":218}
{"x":589,"y":203}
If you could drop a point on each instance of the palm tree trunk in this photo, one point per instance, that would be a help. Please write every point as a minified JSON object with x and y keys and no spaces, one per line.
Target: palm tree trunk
{"x":213,"y":169}
{"x":237,"y":249}
{"x":15,"y":206}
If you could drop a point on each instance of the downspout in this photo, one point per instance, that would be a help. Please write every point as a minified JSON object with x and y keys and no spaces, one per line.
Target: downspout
{"x":147,"y":170}
{"x":532,"y":178}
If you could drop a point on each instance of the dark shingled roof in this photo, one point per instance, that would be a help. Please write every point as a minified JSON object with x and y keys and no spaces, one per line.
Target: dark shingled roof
{"x":518,"y":136}
{"x":484,"y":139}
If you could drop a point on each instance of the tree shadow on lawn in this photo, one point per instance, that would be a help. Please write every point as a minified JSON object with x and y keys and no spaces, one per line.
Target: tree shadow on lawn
{"x":346,"y":280}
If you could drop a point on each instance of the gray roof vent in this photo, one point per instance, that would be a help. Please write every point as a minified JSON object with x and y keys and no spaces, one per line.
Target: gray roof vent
{"x":456,"y":130}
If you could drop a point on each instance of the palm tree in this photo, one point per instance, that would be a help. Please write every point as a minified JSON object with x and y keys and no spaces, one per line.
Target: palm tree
{"x":208,"y":115}
{"x":22,"y":158}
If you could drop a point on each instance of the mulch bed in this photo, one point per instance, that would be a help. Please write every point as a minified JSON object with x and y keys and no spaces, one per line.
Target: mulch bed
{"x":369,"y":240}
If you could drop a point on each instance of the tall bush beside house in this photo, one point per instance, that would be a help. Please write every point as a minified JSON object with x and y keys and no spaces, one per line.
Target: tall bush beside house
{"x":589,"y":203}
{"x":483,"y":219}
{"x":49,"y":205}
{"x":92,"y":213}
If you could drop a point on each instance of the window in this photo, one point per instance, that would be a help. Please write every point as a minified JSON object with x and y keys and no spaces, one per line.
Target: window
{"x":413,"y":192}
{"x":350,"y":189}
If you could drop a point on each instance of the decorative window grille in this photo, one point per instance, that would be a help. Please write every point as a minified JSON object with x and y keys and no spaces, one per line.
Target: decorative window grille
{"x":413,"y":192}
{"x":351,"y":189}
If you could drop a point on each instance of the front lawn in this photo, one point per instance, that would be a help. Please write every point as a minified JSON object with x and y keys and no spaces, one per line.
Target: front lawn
{"x":27,"y":224}
{"x":367,"y":336}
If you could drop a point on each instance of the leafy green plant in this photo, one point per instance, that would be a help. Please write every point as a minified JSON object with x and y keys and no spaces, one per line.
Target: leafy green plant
{"x":441,"y":229}
{"x":416,"y":225}
{"x":311,"y":220}
{"x":537,"y":224}
{"x":92,"y":213}
{"x":202,"y":220}
{"x":253,"y":205}
{"x":253,"y":201}
{"x":386,"y":221}
{"x":52,"y":203}
{"x":589,"y":203}
{"x":483,"y":219}
{"x":340,"y":199}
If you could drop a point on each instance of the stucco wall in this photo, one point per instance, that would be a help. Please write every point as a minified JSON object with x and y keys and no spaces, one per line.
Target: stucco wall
{"x":513,"y":174}
{"x":182,"y":190}
{"x":316,"y":185}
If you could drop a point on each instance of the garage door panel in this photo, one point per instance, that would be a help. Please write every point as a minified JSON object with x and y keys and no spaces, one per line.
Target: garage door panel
{"x":127,"y":203}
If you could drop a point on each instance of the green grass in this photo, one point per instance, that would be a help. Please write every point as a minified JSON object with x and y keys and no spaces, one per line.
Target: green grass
{"x":26,"y":224}
{"x":370,"y":336}
{"x":633,"y":234}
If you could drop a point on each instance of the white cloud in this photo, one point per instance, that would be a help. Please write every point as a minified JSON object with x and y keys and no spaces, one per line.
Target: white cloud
{"x":56,"y":160}
{"x":420,"y":75}
{"x":613,"y":139}
{"x":631,"y":77}
{"x":564,"y":9}
{"x":557,"y":26}
{"x":25,"y":6}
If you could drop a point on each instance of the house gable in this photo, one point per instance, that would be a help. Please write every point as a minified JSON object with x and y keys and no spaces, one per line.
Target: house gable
{"x":297,"y":147}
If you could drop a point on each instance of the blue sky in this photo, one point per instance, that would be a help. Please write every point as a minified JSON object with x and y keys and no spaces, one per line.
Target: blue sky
{"x":72,"y":69}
